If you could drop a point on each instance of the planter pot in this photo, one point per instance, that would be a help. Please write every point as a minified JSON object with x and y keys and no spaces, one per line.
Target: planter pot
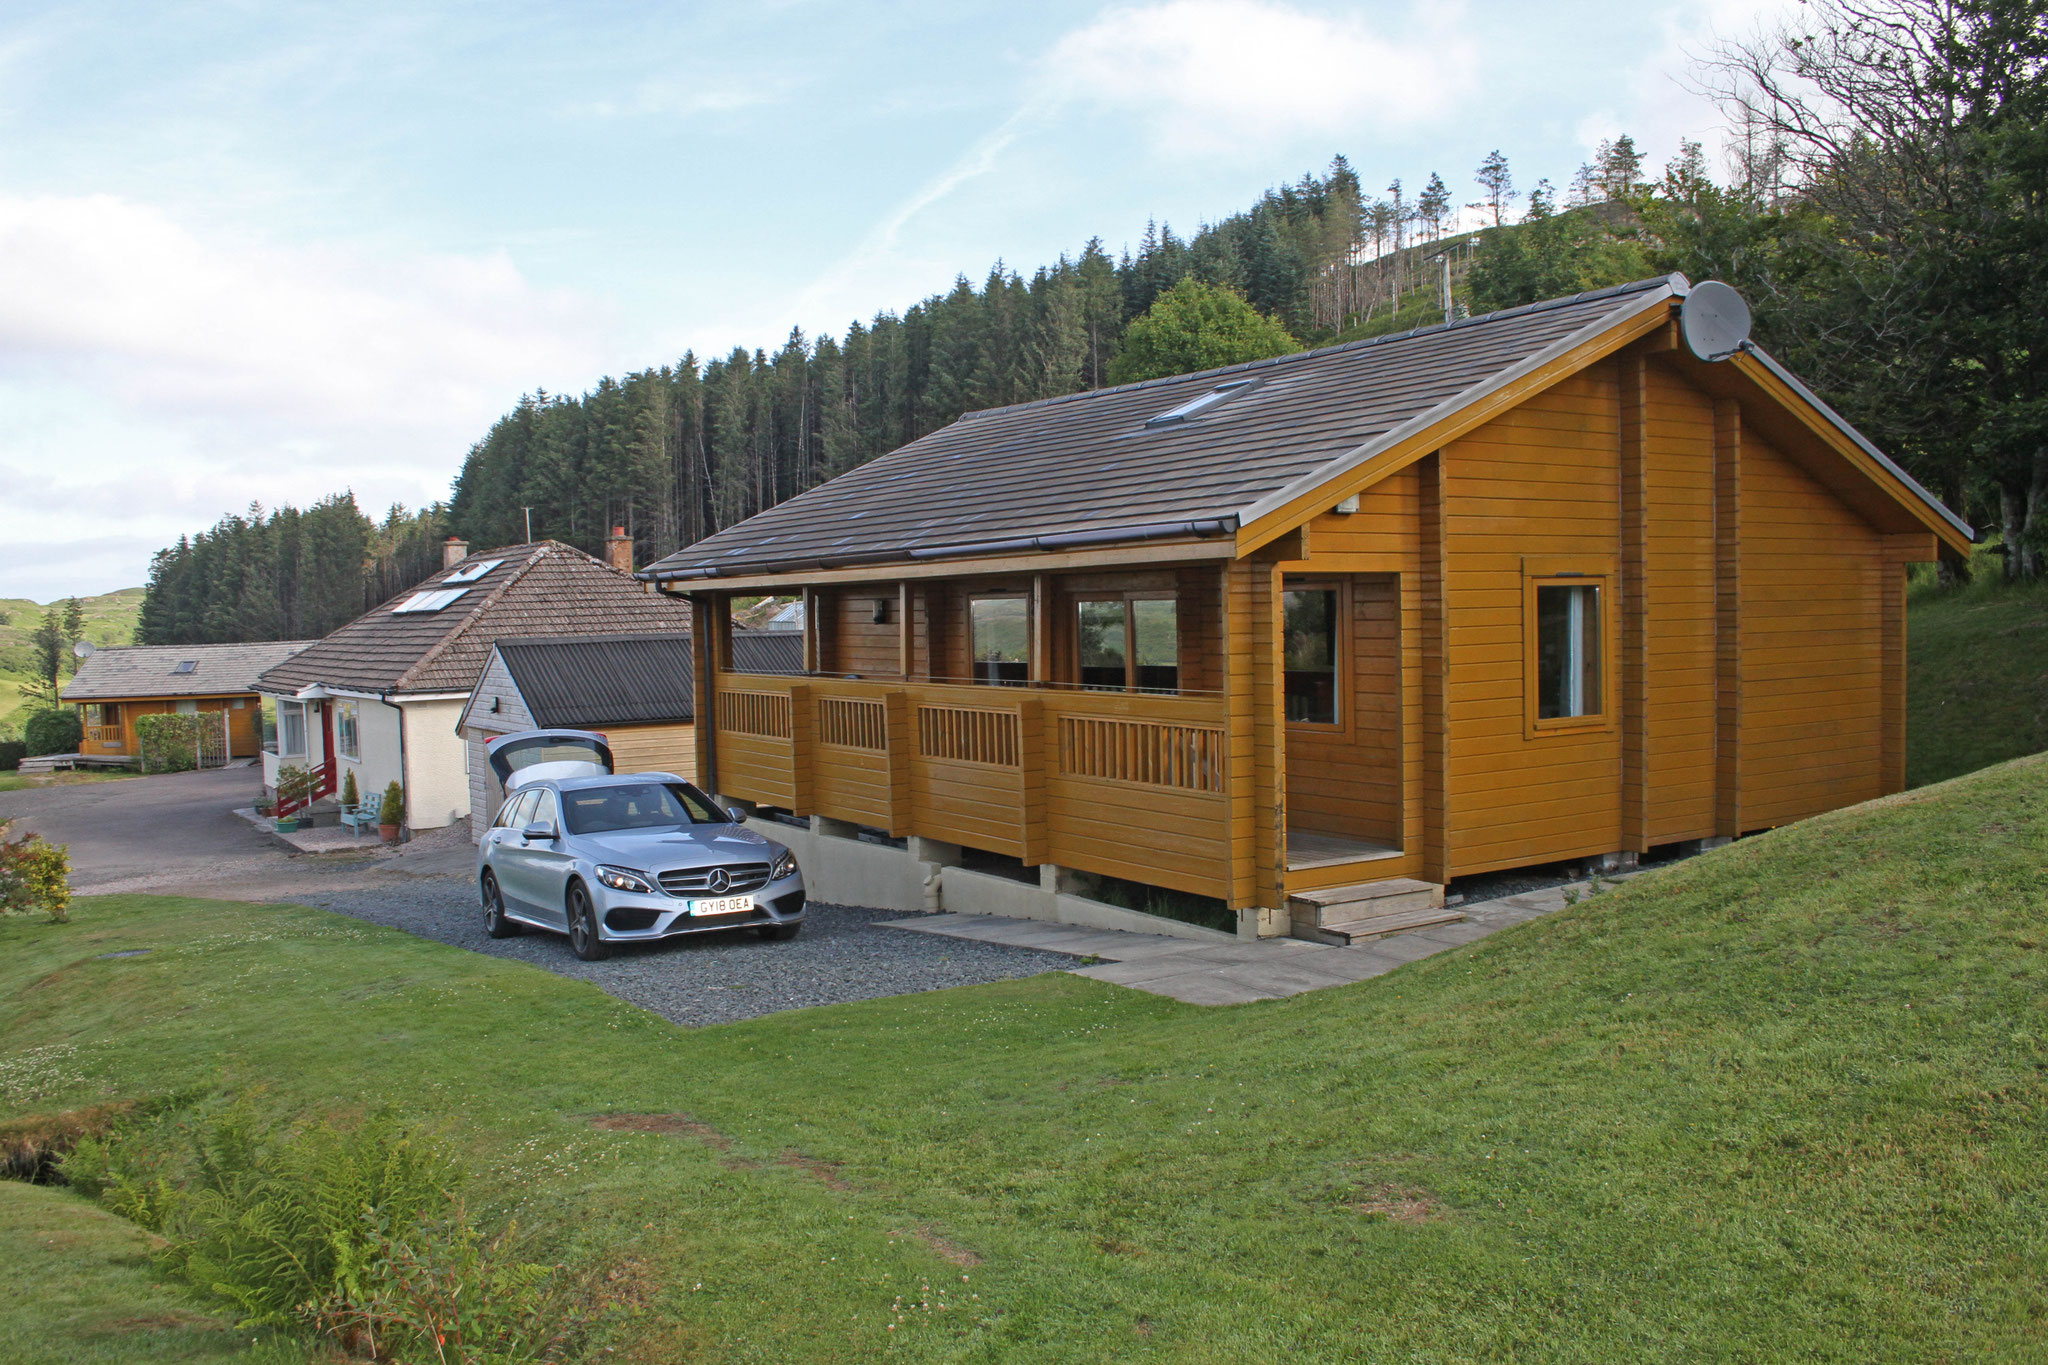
{"x":288,"y":825}
{"x":388,"y":833}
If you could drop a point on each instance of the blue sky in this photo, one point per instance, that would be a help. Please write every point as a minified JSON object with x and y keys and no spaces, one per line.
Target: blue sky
{"x":270,"y":251}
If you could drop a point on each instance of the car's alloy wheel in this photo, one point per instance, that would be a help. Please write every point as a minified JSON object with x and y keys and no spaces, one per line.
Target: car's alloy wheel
{"x":583,"y":926}
{"x":496,"y":922}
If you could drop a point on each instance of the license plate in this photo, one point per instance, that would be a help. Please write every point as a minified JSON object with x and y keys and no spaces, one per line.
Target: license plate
{"x":723,"y":905}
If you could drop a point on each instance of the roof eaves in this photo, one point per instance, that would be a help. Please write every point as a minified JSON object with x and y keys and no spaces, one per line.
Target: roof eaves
{"x":1655,"y":294}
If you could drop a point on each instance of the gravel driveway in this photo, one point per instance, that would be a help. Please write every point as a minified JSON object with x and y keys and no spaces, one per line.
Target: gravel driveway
{"x":709,"y":978}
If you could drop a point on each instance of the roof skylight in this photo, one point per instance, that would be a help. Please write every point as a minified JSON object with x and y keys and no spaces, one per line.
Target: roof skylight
{"x":186,"y":666}
{"x":473,"y":572}
{"x":1201,"y":404}
{"x":429,"y":601}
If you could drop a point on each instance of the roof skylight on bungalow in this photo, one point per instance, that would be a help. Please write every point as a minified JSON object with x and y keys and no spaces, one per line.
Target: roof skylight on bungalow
{"x":429,"y":601}
{"x":473,"y":572}
{"x":186,"y":666}
{"x":1201,"y":404}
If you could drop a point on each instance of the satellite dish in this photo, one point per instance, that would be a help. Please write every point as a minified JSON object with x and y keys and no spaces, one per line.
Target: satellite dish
{"x":83,"y":649}
{"x":1714,"y":321}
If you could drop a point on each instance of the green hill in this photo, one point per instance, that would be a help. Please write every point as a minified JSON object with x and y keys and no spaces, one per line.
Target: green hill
{"x":1779,"y":1102}
{"x":109,"y":620}
{"x":1976,"y":675}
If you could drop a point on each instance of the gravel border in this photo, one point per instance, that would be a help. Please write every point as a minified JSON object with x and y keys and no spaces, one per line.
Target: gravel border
{"x":709,"y":978}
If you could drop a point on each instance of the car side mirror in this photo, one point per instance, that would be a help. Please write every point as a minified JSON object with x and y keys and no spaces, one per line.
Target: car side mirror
{"x":542,"y":831}
{"x":739,"y":817}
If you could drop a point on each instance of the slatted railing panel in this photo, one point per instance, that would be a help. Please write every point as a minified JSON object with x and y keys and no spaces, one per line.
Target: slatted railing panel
{"x":968,"y":735}
{"x":852,"y":722}
{"x":755,"y":713}
{"x":1187,"y":757}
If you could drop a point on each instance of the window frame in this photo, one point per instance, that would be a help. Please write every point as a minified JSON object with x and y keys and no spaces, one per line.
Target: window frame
{"x":1575,"y":571}
{"x":348,"y":740}
{"x":1340,"y":653}
{"x":1030,"y":644}
{"x":298,"y":708}
{"x":1125,"y":598}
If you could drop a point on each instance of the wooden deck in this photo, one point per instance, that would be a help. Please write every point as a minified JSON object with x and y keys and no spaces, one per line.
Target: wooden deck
{"x":1307,"y":848}
{"x":50,"y":763}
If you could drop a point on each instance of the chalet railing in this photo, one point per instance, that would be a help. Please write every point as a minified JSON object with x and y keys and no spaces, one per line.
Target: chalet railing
{"x":1128,"y":785}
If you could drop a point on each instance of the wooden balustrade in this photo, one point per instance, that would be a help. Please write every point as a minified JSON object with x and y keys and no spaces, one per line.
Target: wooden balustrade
{"x":1127,"y":785}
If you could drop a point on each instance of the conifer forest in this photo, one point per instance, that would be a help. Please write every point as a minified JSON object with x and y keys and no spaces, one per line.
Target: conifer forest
{"x":1887,"y":234}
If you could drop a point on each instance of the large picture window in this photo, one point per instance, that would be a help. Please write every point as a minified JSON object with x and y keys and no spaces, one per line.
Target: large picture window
{"x":1310,"y":627}
{"x":345,"y":738}
{"x":1128,"y":644}
{"x":1567,"y":650}
{"x":1001,"y":628}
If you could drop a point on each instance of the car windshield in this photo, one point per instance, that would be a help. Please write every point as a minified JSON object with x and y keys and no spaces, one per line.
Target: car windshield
{"x":637,"y":805}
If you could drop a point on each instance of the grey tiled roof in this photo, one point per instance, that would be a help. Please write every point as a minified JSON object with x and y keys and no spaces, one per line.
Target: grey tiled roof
{"x":1090,"y":461}
{"x":539,"y":589}
{"x":123,"y":671}
{"x":628,"y":679}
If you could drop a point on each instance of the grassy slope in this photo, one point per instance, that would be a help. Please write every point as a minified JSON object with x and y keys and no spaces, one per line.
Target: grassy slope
{"x":109,"y":620}
{"x":1977,"y":677}
{"x":1780,"y":1102}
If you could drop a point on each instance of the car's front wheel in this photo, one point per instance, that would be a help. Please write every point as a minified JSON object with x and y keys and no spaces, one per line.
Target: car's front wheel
{"x":583,"y":935}
{"x":496,"y":922}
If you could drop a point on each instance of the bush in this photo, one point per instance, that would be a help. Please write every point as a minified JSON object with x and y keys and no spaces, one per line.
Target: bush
{"x":392,"y":812}
{"x":12,"y":751}
{"x":35,"y":874}
{"x":349,"y":793}
{"x":353,"y":1232}
{"x":53,"y":730}
{"x":169,"y":742}
{"x":294,"y":784}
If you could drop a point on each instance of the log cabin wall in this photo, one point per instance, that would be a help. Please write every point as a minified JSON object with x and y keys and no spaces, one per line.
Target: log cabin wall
{"x":859,"y":643}
{"x":1535,"y":492}
{"x":1678,"y":609}
{"x":1811,"y":732}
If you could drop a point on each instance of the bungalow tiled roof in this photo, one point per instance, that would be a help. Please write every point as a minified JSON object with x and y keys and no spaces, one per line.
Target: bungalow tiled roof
{"x":122,"y":672}
{"x":542,"y":589}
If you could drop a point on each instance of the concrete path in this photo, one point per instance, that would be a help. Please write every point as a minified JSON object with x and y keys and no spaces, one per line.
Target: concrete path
{"x":1237,"y":972}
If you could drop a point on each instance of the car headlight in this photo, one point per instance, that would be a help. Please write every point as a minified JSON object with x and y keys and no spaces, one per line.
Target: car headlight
{"x":785,"y":866}
{"x":625,"y":879}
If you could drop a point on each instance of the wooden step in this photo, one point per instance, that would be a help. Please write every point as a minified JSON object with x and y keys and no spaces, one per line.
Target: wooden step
{"x":1345,"y":914}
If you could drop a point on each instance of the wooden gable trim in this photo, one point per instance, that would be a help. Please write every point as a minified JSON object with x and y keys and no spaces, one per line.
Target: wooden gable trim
{"x":895,"y":571}
{"x":1357,"y":470}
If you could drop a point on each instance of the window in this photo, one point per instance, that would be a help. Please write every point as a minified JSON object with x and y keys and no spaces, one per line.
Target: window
{"x":185,"y":708}
{"x":1129,"y":643}
{"x":1567,"y":650}
{"x":429,"y":601}
{"x":1312,"y":645}
{"x":545,"y":811}
{"x":345,"y":740}
{"x":1001,"y":628}
{"x":186,"y":666}
{"x":291,"y":729}
{"x":521,"y":802}
{"x":472,"y":573}
{"x":1200,"y":404}
{"x":638,"y":805}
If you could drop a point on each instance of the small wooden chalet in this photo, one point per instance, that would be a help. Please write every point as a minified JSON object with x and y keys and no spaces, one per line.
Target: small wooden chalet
{"x":116,"y":686}
{"x":637,"y":689}
{"x":1534,"y":586}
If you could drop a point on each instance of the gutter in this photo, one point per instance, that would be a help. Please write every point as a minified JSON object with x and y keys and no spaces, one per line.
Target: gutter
{"x":1204,"y":528}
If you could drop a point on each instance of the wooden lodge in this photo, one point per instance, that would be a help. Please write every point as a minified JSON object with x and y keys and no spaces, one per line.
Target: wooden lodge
{"x":117,"y":686}
{"x":1535,"y":586}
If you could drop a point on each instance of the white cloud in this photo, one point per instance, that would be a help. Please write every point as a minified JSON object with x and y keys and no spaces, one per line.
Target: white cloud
{"x":1208,"y":75}
{"x":156,"y":378}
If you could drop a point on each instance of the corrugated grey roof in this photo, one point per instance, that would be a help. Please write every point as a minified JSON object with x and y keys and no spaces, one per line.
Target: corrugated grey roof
{"x":1089,"y":461}
{"x":121,"y":671}
{"x":536,"y":590}
{"x":628,"y":679}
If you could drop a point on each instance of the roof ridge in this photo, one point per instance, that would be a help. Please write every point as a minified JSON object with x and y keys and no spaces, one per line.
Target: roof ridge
{"x":541,"y":549}
{"x":1677,"y":281}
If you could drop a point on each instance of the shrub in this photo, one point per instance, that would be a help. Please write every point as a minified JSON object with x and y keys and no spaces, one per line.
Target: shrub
{"x":35,"y":874}
{"x":392,"y":812}
{"x":169,"y":742}
{"x":12,"y":751}
{"x":293,"y":783}
{"x":354,"y":1232}
{"x":53,"y":730}
{"x":349,"y":793}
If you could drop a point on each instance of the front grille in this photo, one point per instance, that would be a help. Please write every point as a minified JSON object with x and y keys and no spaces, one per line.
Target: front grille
{"x":696,"y":881}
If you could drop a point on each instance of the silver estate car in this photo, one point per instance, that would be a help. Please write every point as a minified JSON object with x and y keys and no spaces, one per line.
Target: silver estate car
{"x":621,"y":858}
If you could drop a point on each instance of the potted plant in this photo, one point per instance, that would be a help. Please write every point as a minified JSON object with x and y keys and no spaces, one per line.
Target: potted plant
{"x":391,"y":814}
{"x":293,"y":783}
{"x":349,"y":794}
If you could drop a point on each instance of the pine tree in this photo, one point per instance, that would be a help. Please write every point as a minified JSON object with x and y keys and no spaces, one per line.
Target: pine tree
{"x":1493,"y":177}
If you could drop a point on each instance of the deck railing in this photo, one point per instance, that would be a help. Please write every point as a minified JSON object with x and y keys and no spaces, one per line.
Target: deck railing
{"x":1126,"y":785}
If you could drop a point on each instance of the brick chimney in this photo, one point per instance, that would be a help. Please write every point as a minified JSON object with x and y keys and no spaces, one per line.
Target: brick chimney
{"x":454,"y":552}
{"x":618,"y":550}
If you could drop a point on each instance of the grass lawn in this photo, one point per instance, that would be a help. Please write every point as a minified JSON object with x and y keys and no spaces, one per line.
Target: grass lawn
{"x":20,"y":782}
{"x":1976,"y":676}
{"x":1781,"y":1102}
